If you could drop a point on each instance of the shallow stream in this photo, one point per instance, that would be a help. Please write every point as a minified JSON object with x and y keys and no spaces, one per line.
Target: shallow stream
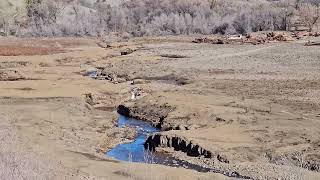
{"x":135,"y":151}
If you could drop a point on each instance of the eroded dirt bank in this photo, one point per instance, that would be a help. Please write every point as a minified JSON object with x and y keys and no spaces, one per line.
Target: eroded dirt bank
{"x":253,"y":108}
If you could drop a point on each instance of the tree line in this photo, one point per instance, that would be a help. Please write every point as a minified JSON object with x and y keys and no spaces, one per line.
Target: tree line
{"x":158,"y":17}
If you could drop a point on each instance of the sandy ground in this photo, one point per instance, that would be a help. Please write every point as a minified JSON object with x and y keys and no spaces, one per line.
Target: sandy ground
{"x":255,"y":106}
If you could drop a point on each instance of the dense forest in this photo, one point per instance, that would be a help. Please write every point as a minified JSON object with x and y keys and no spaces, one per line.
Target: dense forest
{"x":154,"y":17}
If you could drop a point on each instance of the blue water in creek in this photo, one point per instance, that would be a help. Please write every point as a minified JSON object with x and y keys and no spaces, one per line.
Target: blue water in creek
{"x":133,"y":151}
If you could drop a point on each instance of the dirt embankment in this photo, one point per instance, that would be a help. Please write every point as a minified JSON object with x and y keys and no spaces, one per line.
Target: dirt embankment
{"x":178,"y":143}
{"x":155,"y":114}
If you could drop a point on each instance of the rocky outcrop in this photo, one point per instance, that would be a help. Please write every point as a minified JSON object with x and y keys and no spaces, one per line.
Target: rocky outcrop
{"x":157,"y":115}
{"x":178,"y":143}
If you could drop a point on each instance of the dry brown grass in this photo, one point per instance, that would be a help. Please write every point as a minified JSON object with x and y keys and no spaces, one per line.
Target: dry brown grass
{"x":27,"y":51}
{"x":17,"y":163}
{"x":67,"y":42}
{"x":32,"y":46}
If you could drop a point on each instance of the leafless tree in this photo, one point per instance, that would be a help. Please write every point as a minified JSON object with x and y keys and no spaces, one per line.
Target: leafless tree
{"x":309,"y":14}
{"x":160,"y":17}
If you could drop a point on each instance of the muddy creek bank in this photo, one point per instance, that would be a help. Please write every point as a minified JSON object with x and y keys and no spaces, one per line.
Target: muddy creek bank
{"x":138,"y":151}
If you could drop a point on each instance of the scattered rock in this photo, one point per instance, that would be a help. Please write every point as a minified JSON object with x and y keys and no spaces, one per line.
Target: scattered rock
{"x":252,"y":38}
{"x":91,"y":72}
{"x":100,"y":101}
{"x":14,"y":64}
{"x":216,"y":40}
{"x":10,"y":75}
{"x":114,"y":74}
{"x":222,"y":158}
{"x":280,"y":36}
{"x":305,"y":34}
{"x":264,"y":37}
{"x":204,"y":40}
{"x":89,"y":99}
{"x":127,"y":51}
{"x":135,"y":92}
{"x":219,"y":119}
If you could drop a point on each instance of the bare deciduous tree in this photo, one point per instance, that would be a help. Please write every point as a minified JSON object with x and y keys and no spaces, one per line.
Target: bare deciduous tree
{"x":309,"y":14}
{"x":159,"y":17}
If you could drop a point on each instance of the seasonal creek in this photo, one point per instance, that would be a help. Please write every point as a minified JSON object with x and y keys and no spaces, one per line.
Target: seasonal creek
{"x":136,"y":152}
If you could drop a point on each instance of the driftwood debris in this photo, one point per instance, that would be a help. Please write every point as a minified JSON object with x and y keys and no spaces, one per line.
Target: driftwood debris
{"x":252,"y":38}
